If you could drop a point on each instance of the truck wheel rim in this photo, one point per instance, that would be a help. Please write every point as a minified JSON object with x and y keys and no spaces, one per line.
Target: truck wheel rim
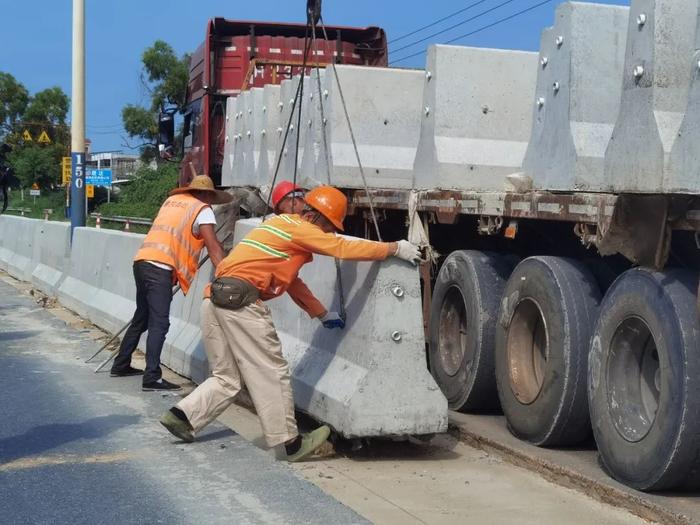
{"x":527,"y":347}
{"x":452,"y":341}
{"x":634,"y":379}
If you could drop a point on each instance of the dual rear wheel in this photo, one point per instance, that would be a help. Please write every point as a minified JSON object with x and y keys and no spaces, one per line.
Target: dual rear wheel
{"x":539,"y":342}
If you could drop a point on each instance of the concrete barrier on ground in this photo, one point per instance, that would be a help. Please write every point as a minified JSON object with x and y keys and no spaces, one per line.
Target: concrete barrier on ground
{"x":578,"y":97}
{"x":476,"y":117}
{"x":52,"y":255}
{"x":371,"y":378}
{"x":17,"y":255}
{"x":656,"y":83}
{"x":183,"y":351}
{"x":99,"y":284}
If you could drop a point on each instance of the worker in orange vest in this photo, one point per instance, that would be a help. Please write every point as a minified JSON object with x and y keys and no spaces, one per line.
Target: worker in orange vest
{"x":239,"y":336}
{"x":170,"y":254}
{"x":287,"y":197}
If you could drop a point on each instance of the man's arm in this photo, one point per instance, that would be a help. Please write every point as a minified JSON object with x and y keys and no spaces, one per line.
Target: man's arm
{"x":315,"y":240}
{"x":305,"y":299}
{"x":214,"y":248}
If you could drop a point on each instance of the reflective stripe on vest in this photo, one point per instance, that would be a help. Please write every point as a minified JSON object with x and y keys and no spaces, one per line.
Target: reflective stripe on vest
{"x":171,"y":241}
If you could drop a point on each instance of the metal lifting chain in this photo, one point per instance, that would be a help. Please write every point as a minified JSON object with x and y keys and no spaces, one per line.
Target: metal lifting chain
{"x":352,"y":136}
{"x":297,"y":96}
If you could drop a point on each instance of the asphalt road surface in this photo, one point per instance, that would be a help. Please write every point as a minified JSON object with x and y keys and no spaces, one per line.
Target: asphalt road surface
{"x":78,"y":447}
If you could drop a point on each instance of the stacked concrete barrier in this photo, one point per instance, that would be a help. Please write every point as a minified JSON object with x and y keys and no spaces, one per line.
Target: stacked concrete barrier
{"x":269,"y":134}
{"x":17,"y":255}
{"x":369,"y":379}
{"x":384,"y":109}
{"x":656,"y":83}
{"x":234,"y":160}
{"x":314,"y":163}
{"x":51,"y":255}
{"x":578,"y":97}
{"x":682,"y":175}
{"x":288,"y":91}
{"x":476,"y":117}
{"x":99,"y":284}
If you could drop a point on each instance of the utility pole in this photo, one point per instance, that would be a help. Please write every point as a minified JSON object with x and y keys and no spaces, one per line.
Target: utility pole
{"x":77,"y":187}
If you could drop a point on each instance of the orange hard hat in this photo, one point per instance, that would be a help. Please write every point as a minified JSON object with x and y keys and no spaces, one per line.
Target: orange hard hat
{"x":329,"y":202}
{"x":281,"y":190}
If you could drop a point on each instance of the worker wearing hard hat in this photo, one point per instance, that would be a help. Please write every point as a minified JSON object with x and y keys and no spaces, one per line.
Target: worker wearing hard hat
{"x":287,"y":197}
{"x":239,"y":336}
{"x":169,"y":254}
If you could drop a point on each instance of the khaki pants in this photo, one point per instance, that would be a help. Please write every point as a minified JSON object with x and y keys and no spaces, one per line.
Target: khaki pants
{"x":242,"y":347}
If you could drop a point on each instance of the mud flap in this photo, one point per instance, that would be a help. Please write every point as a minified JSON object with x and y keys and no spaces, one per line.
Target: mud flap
{"x":638,"y":230}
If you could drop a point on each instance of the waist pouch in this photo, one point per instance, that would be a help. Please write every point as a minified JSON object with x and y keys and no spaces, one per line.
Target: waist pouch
{"x":232,"y":293}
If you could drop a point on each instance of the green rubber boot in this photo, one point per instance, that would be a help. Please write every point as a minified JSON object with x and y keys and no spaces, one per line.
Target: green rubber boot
{"x":177,"y":427}
{"x":310,"y":443}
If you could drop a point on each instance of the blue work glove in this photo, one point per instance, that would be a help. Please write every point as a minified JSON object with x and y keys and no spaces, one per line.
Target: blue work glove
{"x":332,"y":320}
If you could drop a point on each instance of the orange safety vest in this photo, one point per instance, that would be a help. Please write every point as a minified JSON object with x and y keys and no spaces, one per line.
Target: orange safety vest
{"x":171,"y":241}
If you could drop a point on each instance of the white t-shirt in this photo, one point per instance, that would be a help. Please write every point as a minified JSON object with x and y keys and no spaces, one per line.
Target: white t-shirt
{"x":206,"y":216}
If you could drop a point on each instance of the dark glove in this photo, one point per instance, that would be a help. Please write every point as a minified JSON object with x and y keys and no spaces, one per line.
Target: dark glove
{"x":332,"y":320}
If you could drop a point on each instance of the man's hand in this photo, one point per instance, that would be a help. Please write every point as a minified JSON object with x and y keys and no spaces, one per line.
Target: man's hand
{"x":408,"y":252}
{"x":332,"y":320}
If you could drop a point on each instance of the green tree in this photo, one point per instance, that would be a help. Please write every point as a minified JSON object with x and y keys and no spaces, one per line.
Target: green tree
{"x":33,"y":161}
{"x":14,"y":99}
{"x":49,"y":106}
{"x":35,"y":164}
{"x":165,"y":76}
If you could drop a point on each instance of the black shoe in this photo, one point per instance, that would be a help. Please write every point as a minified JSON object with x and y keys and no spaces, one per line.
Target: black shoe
{"x":125,"y":372}
{"x":161,"y":384}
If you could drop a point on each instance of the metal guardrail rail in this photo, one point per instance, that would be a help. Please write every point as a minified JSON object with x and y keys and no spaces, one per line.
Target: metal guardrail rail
{"x":123,"y":219}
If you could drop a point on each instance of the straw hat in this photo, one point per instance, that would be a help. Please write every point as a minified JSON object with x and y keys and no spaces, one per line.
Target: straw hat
{"x":204,"y":183}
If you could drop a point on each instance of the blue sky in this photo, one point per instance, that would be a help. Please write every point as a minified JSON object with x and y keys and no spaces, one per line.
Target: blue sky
{"x":35,"y":38}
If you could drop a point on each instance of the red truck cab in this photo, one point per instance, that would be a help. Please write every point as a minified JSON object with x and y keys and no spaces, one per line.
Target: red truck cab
{"x":237,"y":56}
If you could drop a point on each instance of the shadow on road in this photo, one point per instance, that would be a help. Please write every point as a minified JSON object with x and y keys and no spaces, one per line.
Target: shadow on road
{"x":17,"y":334}
{"x":47,"y":437}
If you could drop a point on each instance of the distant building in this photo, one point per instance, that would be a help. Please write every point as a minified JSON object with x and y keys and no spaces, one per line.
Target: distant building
{"x":123,"y":165}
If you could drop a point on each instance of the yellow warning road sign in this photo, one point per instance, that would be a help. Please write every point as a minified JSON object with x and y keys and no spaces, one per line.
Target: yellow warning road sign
{"x":44,"y":138}
{"x":26,"y":136}
{"x":90,"y":191}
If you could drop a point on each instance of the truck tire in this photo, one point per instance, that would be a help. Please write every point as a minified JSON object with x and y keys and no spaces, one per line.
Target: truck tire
{"x":462,"y":323}
{"x":644,"y":380}
{"x":543,"y":335}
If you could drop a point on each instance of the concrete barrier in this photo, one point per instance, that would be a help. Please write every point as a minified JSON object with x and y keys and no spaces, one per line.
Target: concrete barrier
{"x":314,"y":162}
{"x":578,"y":97}
{"x":384,"y":108}
{"x":684,"y":164}
{"x":656,"y":82}
{"x":51,"y":255}
{"x":270,"y":134}
{"x":371,"y":378}
{"x":183,"y":351}
{"x":17,"y":256}
{"x":99,"y":284}
{"x":232,"y":173}
{"x":476,"y":117}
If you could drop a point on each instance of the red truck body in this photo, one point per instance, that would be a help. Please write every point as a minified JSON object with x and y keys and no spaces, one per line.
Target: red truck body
{"x":237,"y":56}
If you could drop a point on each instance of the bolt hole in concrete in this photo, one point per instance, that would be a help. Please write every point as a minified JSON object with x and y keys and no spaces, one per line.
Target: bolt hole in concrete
{"x":527,"y":349}
{"x":634,"y":379}
{"x":453,"y":331}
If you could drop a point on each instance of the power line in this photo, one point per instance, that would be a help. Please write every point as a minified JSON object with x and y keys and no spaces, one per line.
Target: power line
{"x":486,"y":12}
{"x":483,"y":28}
{"x":437,"y":21}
